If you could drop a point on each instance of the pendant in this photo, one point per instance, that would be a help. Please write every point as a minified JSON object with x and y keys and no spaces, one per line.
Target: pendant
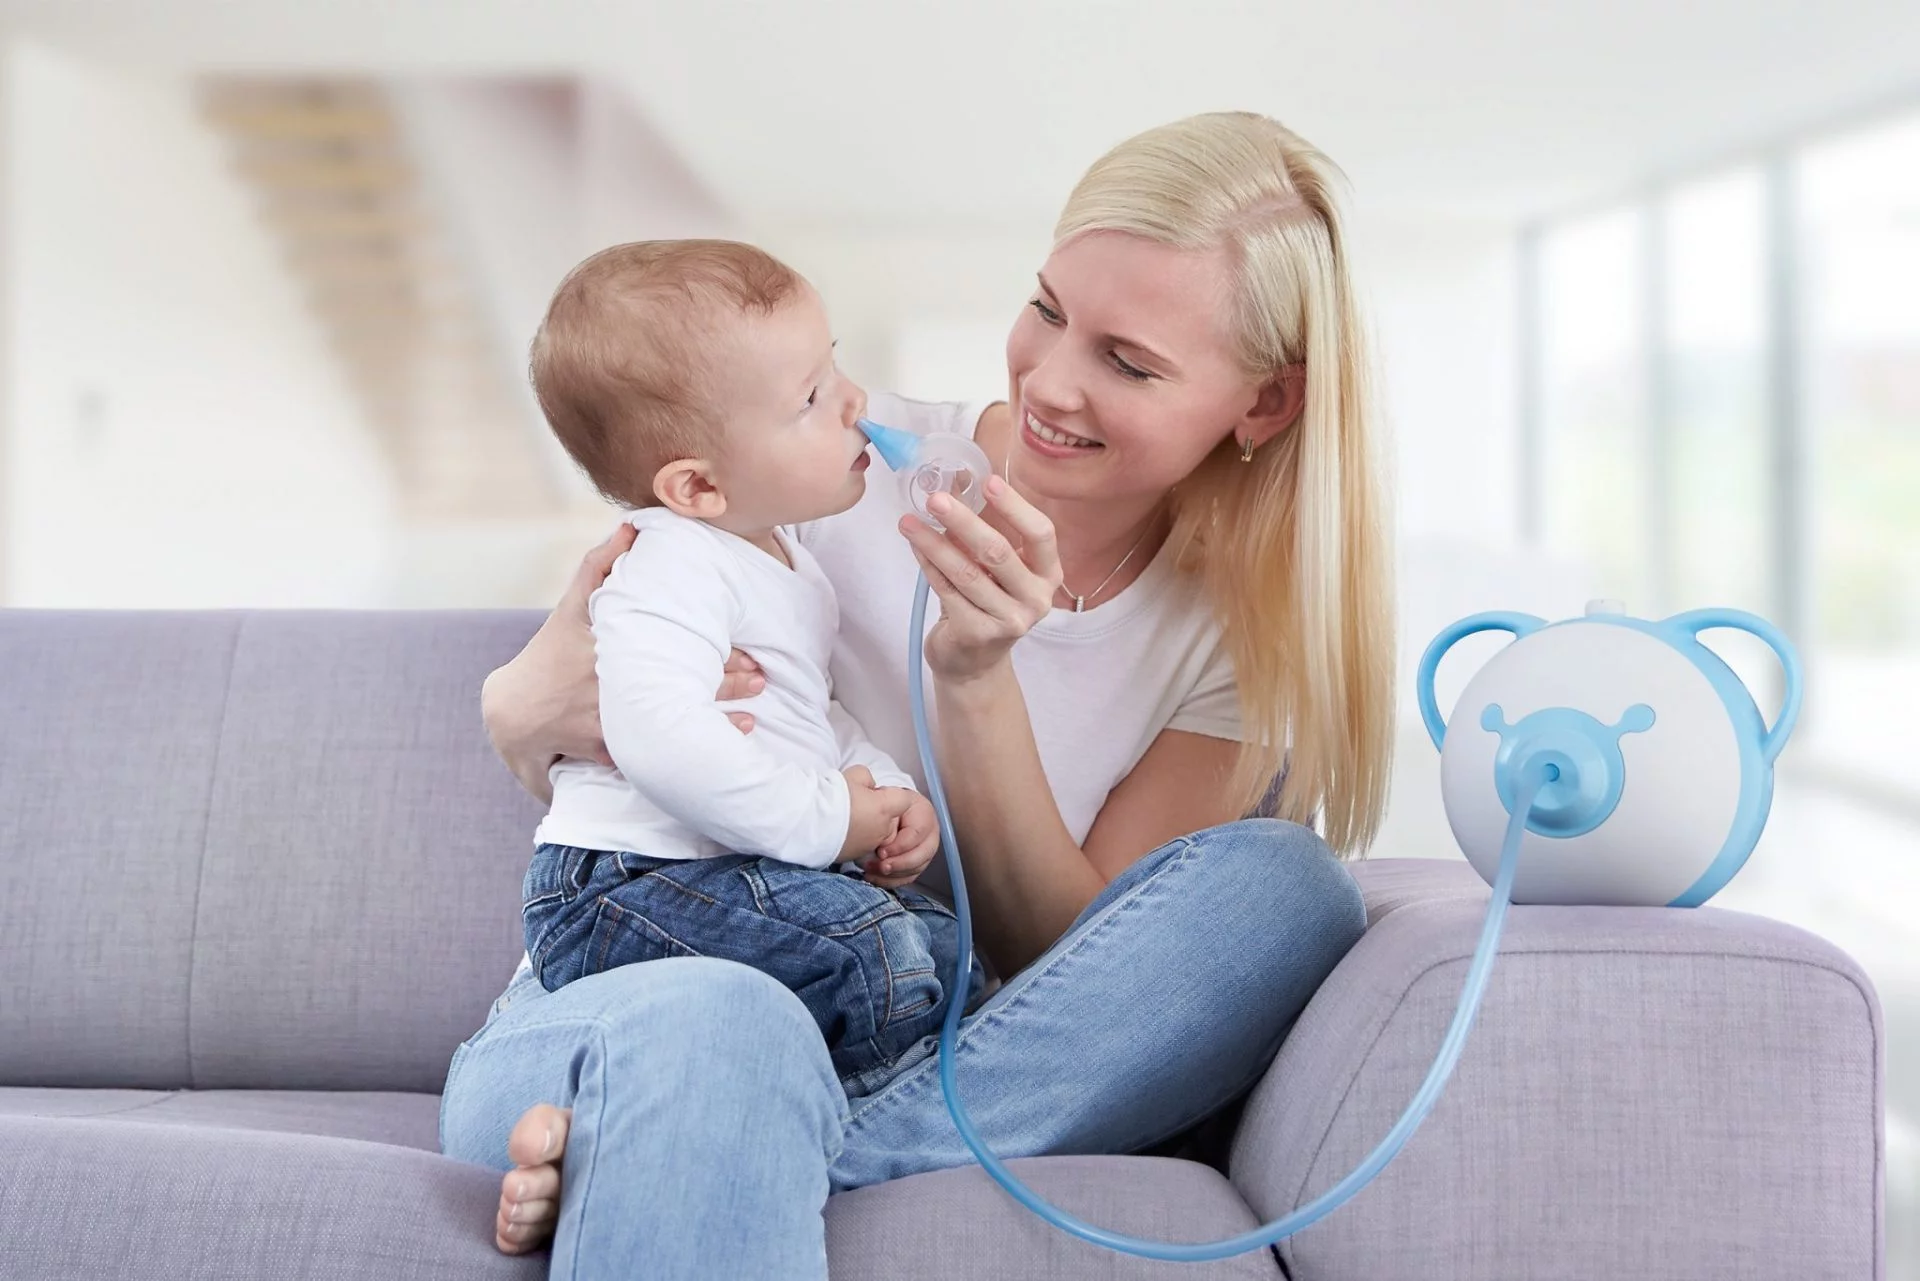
{"x":1079,"y":602}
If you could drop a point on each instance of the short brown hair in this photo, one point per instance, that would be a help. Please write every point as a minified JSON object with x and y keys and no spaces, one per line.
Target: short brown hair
{"x":623,"y":362}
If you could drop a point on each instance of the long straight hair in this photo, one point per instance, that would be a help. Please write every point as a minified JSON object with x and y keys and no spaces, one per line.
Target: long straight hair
{"x":1294,"y":549}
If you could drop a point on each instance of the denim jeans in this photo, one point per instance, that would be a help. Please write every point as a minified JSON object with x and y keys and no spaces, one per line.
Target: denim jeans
{"x":871,"y":965}
{"x":709,"y":1127}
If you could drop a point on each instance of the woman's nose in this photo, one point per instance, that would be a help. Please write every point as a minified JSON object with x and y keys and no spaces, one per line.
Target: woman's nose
{"x":1050,"y":387}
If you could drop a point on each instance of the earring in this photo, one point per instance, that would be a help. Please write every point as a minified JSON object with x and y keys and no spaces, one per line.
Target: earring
{"x":1246,"y":450}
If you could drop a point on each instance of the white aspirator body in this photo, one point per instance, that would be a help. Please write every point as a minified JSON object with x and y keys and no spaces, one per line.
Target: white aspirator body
{"x":1660,"y":765}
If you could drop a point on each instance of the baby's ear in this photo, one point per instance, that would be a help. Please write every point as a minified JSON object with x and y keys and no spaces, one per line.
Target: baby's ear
{"x":686,"y":488}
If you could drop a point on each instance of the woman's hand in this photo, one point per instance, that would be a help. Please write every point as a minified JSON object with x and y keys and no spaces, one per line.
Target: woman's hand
{"x":545,"y":702}
{"x":991,"y":590}
{"x":740,"y":678}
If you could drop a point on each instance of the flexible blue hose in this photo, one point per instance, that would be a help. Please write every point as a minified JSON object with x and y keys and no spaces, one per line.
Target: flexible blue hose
{"x":1330,"y":1200}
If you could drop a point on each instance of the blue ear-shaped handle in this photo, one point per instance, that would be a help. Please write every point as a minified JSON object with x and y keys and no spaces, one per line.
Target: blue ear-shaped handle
{"x":1498,"y":621}
{"x":1693,"y":622}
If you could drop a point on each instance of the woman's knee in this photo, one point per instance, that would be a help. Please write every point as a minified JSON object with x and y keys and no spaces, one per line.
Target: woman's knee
{"x":717,"y":1017}
{"x":1293,"y":883}
{"x":629,"y":1038}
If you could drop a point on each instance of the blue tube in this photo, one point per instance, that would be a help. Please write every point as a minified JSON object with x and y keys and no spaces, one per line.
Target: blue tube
{"x":1330,"y":1200}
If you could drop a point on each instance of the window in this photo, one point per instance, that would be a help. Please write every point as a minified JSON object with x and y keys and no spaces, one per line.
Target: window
{"x":1593,"y":398}
{"x":1859,"y":203}
{"x":1712,"y":429}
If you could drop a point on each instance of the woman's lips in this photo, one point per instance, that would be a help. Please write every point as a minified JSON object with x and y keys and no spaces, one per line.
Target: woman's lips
{"x":1053,"y":448}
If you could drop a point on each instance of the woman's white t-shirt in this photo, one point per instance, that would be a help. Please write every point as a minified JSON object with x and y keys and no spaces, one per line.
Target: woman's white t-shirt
{"x":1099,"y":685}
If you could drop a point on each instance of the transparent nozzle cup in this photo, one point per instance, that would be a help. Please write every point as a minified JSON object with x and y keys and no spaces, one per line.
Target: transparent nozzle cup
{"x":946,"y":464}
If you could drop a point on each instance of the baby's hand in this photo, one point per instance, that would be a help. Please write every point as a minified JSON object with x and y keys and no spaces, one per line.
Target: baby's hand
{"x":873,"y":813}
{"x":907,"y":853}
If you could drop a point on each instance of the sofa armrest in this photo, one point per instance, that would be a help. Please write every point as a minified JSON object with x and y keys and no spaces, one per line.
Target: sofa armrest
{"x":1645,"y":1092}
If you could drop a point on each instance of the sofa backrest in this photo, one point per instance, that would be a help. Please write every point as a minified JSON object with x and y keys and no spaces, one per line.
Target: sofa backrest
{"x":252,"y":849}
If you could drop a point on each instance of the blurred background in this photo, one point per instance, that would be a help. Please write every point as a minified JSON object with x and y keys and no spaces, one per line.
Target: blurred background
{"x":1646,"y":280}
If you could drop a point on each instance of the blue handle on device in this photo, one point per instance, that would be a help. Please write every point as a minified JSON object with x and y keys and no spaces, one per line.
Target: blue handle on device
{"x":1496,"y":621}
{"x":1692,"y":623}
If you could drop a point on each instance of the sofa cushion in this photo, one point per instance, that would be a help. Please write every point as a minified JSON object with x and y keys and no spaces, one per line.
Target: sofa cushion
{"x":236,"y":1183}
{"x":404,"y":1120}
{"x":109,"y":734}
{"x":266,"y":849}
{"x":44,"y":1101}
{"x":958,"y":1225}
{"x":112,"y":1198}
{"x":1389,"y":884}
{"x":1646,"y":1092}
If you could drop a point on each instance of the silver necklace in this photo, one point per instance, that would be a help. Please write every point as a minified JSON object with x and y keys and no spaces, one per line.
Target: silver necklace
{"x":1080,"y":601}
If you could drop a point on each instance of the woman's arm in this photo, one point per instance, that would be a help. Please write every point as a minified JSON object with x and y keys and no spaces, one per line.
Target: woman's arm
{"x":544,"y":703}
{"x":1032,"y":880}
{"x":1026,"y":872}
{"x":1181,"y":784}
{"x":1027,"y":877}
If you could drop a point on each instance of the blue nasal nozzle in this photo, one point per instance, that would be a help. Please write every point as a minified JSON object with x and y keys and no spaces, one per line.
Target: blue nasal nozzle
{"x":898,"y":449}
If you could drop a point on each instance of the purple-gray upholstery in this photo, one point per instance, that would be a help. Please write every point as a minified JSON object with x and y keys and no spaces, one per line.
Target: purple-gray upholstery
{"x":258,"y":877}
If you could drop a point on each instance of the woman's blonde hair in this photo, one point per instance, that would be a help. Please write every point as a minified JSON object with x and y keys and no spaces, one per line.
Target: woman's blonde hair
{"x":1294,"y":549}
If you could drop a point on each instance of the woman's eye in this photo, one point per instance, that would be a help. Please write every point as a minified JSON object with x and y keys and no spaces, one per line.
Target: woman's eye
{"x":1047,"y":313}
{"x":812,"y":396}
{"x":1129,"y":371}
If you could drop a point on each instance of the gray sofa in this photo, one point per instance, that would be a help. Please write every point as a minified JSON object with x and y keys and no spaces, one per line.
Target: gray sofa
{"x":258,"y":877}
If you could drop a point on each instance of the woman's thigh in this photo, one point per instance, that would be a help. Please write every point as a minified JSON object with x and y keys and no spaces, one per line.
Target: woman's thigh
{"x":703,"y":1099}
{"x":1163,"y":1003}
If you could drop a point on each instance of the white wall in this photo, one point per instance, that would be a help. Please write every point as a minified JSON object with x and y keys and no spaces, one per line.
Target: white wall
{"x":178,"y":434}
{"x":633,"y":184}
{"x":501,"y":164}
{"x":502,"y":167}
{"x":166,"y":364}
{"x":531,"y":176}
{"x":922,"y":313}
{"x":1443,"y":299}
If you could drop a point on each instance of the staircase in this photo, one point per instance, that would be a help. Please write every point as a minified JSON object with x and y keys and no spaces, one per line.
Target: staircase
{"x":379,"y":265}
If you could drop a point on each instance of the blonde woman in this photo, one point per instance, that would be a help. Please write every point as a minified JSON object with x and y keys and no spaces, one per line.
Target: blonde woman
{"x":1176,"y":607}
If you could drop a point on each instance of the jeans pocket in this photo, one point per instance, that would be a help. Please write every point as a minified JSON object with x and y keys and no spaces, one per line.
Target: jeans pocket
{"x":815,"y":899}
{"x":926,"y":904}
{"x":914,"y":983}
{"x":626,"y":934}
{"x":942,"y":944}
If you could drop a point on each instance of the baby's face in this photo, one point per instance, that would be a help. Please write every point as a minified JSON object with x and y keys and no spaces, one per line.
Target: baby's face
{"x":793,"y":450}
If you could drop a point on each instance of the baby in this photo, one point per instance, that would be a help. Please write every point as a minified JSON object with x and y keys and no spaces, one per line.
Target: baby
{"x":694,"y":381}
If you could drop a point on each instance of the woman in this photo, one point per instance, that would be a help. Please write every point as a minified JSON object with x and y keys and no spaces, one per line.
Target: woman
{"x":1180,"y":583}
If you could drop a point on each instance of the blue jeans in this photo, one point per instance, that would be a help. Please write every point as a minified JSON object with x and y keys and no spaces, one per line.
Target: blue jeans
{"x":871,"y":965}
{"x":709,"y":1127}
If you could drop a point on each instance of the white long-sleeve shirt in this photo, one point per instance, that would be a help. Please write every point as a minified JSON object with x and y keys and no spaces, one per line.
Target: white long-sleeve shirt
{"x":686,"y":783}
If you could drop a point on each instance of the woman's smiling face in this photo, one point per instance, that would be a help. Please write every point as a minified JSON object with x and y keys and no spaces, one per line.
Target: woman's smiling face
{"x":1122,"y":373}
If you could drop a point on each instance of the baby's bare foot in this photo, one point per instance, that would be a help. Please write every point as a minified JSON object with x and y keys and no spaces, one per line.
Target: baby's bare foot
{"x":530,"y":1193}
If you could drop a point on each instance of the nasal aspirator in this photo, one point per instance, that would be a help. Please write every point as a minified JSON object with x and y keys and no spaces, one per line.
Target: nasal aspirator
{"x":941,"y":463}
